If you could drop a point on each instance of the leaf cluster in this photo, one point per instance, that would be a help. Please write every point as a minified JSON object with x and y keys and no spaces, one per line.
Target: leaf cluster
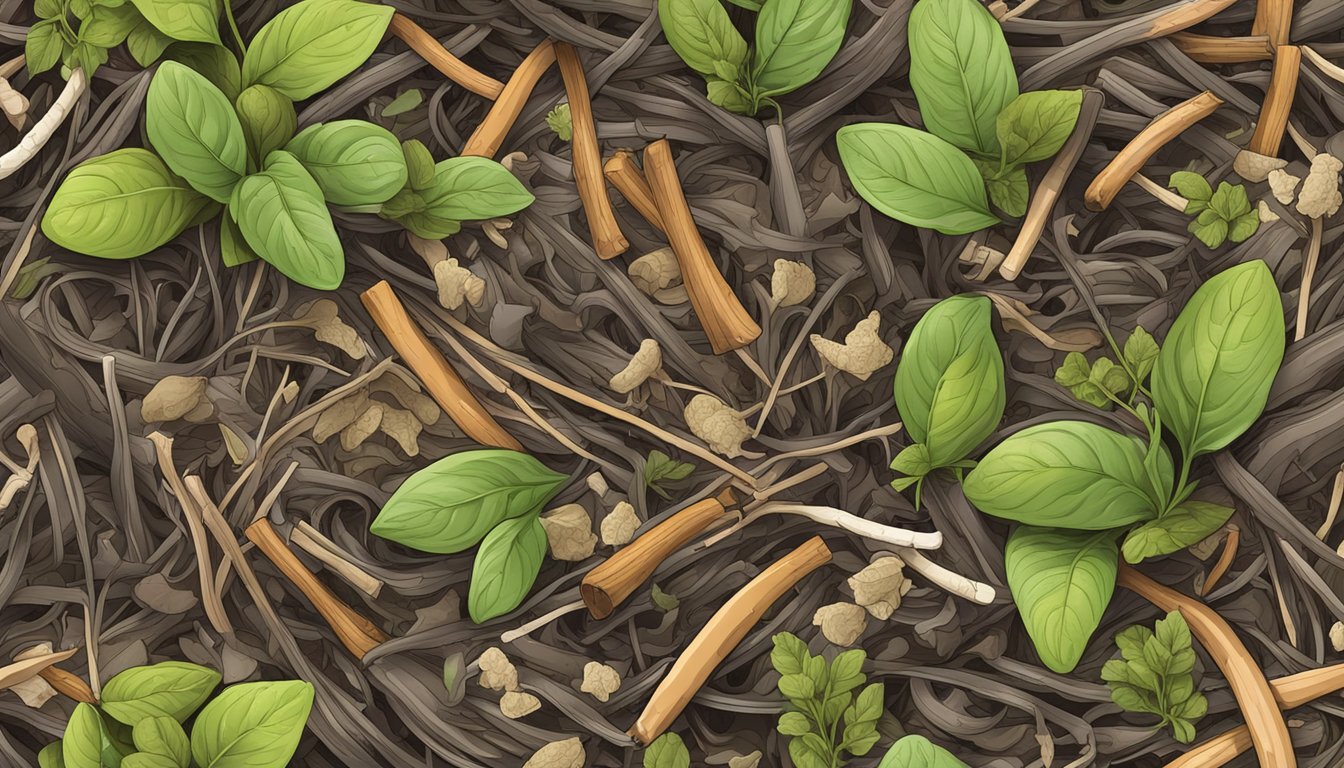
{"x":981,"y":132}
{"x":1219,"y":216}
{"x":139,"y":722}
{"x":1155,"y":675}
{"x":491,"y":497}
{"x":80,"y":33}
{"x":661,"y":469}
{"x":1102,"y":382}
{"x":826,"y":718}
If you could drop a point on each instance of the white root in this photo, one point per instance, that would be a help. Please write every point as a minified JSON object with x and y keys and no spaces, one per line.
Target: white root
{"x":540,"y":621}
{"x":42,"y":131}
{"x":1161,"y":193}
{"x":896,"y":537}
{"x":325,"y":551}
{"x":955,"y":583}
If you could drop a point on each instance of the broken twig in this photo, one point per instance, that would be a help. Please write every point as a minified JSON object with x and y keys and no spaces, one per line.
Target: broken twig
{"x":490,"y":134}
{"x":433,"y":52}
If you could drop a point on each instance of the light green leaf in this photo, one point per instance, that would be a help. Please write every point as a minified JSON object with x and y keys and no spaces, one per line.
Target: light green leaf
{"x":1190,"y":522}
{"x":847,"y":671}
{"x":729,"y":95}
{"x":1243,"y":226}
{"x":667,"y":751}
{"x":48,"y":9}
{"x":702,"y":34}
{"x":450,"y":505}
{"x":914,"y":177}
{"x":1010,"y":191}
{"x":148,"y":760}
{"x":163,"y":736}
{"x":146,"y":43}
{"x":196,"y":20}
{"x":43,"y":47}
{"x":51,"y":756}
{"x":214,"y":62}
{"x":283,"y":218}
{"x":308,"y":46}
{"x":1210,"y":228}
{"x":1062,"y":582}
{"x":171,"y":689}
{"x":252,"y":725}
{"x":661,"y":469}
{"x":797,"y":687}
{"x":1191,"y":186}
{"x":793,"y":724}
{"x":961,"y":71}
{"x":108,"y":26}
{"x":915,"y":751}
{"x":1219,"y":360}
{"x":268,"y":120}
{"x":419,"y":165}
{"x":789,"y":653}
{"x":1230,"y":201}
{"x":86,"y":743}
{"x":795,"y":40}
{"x":559,"y":121}
{"x":353,"y":161}
{"x":194,"y":128}
{"x":233,"y":248}
{"x":1067,"y":474}
{"x":867,"y":706}
{"x":120,"y":205}
{"x":664,"y":601}
{"x":506,"y":567}
{"x":1141,"y":352}
{"x":404,"y":102}
{"x":1033,"y":126}
{"x":474,"y":189}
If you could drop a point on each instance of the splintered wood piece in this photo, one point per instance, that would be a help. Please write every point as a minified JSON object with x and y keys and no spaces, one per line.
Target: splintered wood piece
{"x":443,"y":383}
{"x":356,"y":633}
{"x":586,"y":157}
{"x":1274,"y":19}
{"x":625,"y":175}
{"x":1185,"y":15}
{"x":1211,"y":49}
{"x":68,"y":684}
{"x":1273,"y":120}
{"x":1142,"y":147}
{"x":722,"y":634}
{"x":433,"y":52}
{"x":1269,"y":733}
{"x":611,"y":582}
{"x":721,"y":314}
{"x":490,"y":134}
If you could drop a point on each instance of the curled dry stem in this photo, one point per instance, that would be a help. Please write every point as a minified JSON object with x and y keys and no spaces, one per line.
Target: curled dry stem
{"x":44,"y":129}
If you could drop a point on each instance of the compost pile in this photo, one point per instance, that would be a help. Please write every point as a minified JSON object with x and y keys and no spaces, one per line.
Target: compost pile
{"x":98,"y":553}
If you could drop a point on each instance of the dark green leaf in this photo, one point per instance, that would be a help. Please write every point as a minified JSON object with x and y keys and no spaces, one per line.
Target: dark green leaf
{"x":308,"y":46}
{"x":661,"y":469}
{"x":194,"y":128}
{"x":257,"y":725}
{"x":1190,"y":522}
{"x":419,"y":164}
{"x":233,"y":247}
{"x":215,"y":63}
{"x":506,"y":567}
{"x":353,"y":161}
{"x":282,"y":216}
{"x":1035,"y":125}
{"x":795,"y":40}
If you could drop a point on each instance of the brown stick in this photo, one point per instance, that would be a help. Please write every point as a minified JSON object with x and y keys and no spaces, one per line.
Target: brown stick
{"x":721,"y":314}
{"x":611,"y":582}
{"x":1129,"y":160}
{"x":1274,"y":19}
{"x":444,"y":385}
{"x":486,"y":140}
{"x":1268,"y":731}
{"x":629,"y":180}
{"x":68,"y":684}
{"x":357,"y":633}
{"x":1224,"y":560}
{"x":1211,"y":49}
{"x":1273,"y":120}
{"x":587,"y":157}
{"x":433,"y":52}
{"x":722,"y":634}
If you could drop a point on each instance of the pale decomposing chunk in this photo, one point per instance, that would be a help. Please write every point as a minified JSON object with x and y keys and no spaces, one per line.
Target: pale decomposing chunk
{"x":644,"y":363}
{"x":880,"y":586}
{"x":862,"y":352}
{"x":721,"y":427}
{"x":569,"y":530}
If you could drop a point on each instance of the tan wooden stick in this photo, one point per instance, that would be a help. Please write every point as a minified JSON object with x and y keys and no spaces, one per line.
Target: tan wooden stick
{"x":1274,"y":19}
{"x":68,"y":684}
{"x":1211,"y":49}
{"x":721,"y":314}
{"x":1273,"y":120}
{"x":625,"y":175}
{"x":444,"y":385}
{"x":1130,"y":160}
{"x":1184,"y":16}
{"x":358,"y":634}
{"x":1269,"y":732}
{"x":722,"y":634}
{"x":1224,"y":560}
{"x":586,"y":158}
{"x":433,"y":52}
{"x":486,"y":140}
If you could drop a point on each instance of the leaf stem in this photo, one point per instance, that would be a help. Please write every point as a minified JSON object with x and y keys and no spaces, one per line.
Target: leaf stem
{"x":233,"y":27}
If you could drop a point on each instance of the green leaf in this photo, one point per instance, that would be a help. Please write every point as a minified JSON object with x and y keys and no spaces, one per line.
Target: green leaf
{"x":149,"y":760}
{"x":404,"y":102}
{"x":252,"y":725}
{"x":918,"y":752}
{"x":867,"y":707}
{"x":667,"y":751}
{"x":1243,"y":226}
{"x":51,"y":756}
{"x":1010,"y":191}
{"x":1210,"y":228}
{"x":664,"y":601}
{"x":233,"y":248}
{"x":419,"y":165}
{"x":85,"y":56}
{"x":702,"y":34}
{"x":120,"y":205}
{"x":146,"y":43}
{"x":506,"y":567}
{"x":662,"y":469}
{"x":558,"y":120}
{"x":108,"y":27}
{"x":48,"y":9}
{"x":353,"y":161}
{"x":196,"y":20}
{"x":450,"y":505}
{"x":794,"y":724}
{"x":847,"y":671}
{"x":283,"y":218}
{"x":43,"y":47}
{"x":795,"y":40}
{"x":1140,"y":353}
{"x":961,"y":72}
{"x":194,"y":128}
{"x":86,"y":743}
{"x":308,"y":46}
{"x":797,"y":687}
{"x":729,"y":95}
{"x":1062,"y":582}
{"x":1219,"y":360}
{"x":1033,"y":126}
{"x":1131,"y":640}
{"x":949,"y":383}
{"x":163,"y":736}
{"x":750,"y":5}
{"x":215,"y":63}
{"x":913,"y":462}
{"x":789,"y":653}
{"x":1067,"y":474}
{"x":1075,"y":370}
{"x":172,"y":689}
{"x":914,"y":177}
{"x":268,"y":120}
{"x":1230,"y":201}
{"x":474,"y":189}
{"x":1190,"y":522}
{"x":455,"y":678}
{"x":1191,"y":186}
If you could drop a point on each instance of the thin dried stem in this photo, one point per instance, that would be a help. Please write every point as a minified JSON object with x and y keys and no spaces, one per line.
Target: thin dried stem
{"x":1224,"y":560}
{"x":433,"y":52}
{"x":1309,"y":261}
{"x":1156,"y":135}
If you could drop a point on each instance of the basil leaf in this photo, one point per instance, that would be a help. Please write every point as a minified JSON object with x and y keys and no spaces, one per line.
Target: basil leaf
{"x":702,"y":34}
{"x":914,"y":177}
{"x":163,"y":736}
{"x":214,"y":62}
{"x":43,"y":47}
{"x":1035,"y":125}
{"x":233,"y":247}
{"x":194,"y":128}
{"x":506,"y":567}
{"x":667,"y":751}
{"x":51,"y":756}
{"x":1192,"y":186}
{"x":86,"y":743}
{"x":283,"y":218}
{"x":1062,"y":582}
{"x":312,"y":44}
{"x":450,"y":505}
{"x":961,"y":71}
{"x":48,"y":9}
{"x":268,"y":120}
{"x":107,"y":26}
{"x":474,"y":189}
{"x":353,"y":161}
{"x":949,"y":384}
{"x":1010,"y":191}
{"x":149,"y":760}
{"x":168,"y":689}
{"x":1217,"y":363}
{"x":918,"y":752}
{"x":120,"y":205}
{"x":146,"y":43}
{"x":1190,"y":522}
{"x":795,"y":40}
{"x":419,"y":165}
{"x":252,"y":725}
{"x":1067,"y":474}
{"x":729,"y":95}
{"x":196,"y":20}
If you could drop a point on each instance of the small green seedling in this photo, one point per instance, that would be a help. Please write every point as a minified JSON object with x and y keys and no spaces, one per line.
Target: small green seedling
{"x":1155,"y":675}
{"x":1219,"y":216}
{"x":825,"y":719}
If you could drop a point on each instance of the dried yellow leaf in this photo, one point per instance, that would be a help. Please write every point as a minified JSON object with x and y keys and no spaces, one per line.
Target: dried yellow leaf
{"x":722,"y":428}
{"x":497,"y":672}
{"x":403,"y":427}
{"x":569,"y":530}
{"x":880,"y":586}
{"x":792,"y":282}
{"x":175,"y":397}
{"x":362,"y":428}
{"x":340,"y":415}
{"x":516,"y":704}
{"x":620,"y":524}
{"x":559,"y":754}
{"x":323,"y":317}
{"x":841,"y":623}
{"x":233,"y":444}
{"x":862,"y":352}
{"x":600,"y":680}
{"x":407,"y":393}
{"x":643,"y":364}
